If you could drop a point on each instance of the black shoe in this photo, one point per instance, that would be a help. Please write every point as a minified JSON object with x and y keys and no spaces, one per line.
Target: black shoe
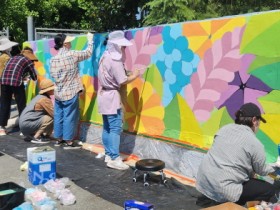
{"x":60,"y":143}
{"x":28,"y":138}
{"x":72,"y":145}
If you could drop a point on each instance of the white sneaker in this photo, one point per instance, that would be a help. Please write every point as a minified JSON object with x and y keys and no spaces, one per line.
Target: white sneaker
{"x":107,"y":158}
{"x":3,"y":131}
{"x":100,"y":155}
{"x":117,"y":164}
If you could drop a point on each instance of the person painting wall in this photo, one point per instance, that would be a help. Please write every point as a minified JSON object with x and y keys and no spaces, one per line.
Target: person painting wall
{"x":228,"y":169}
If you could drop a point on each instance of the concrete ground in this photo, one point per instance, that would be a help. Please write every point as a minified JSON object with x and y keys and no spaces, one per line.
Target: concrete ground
{"x":10,"y":172}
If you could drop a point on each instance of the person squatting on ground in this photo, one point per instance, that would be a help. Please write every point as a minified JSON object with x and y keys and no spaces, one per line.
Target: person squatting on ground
{"x":227,"y":171}
{"x":36,"y":120}
{"x":65,"y":72}
{"x":112,"y":75}
{"x":12,"y":83}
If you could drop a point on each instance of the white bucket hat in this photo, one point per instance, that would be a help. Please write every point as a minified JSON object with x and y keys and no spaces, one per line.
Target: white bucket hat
{"x":5,"y":43}
{"x":117,"y":37}
{"x":116,"y":40}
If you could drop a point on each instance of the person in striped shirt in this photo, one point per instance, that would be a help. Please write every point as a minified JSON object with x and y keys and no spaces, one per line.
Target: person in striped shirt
{"x":12,"y":83}
{"x":65,"y":72}
{"x":227,"y":171}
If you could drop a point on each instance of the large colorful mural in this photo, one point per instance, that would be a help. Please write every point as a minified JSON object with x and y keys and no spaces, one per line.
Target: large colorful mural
{"x":194,"y":76}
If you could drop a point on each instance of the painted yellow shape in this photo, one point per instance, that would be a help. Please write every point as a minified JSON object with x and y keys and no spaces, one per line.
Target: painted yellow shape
{"x":190,"y":129}
{"x":40,"y":68}
{"x":88,"y":93}
{"x":271,"y":102}
{"x":202,"y":35}
{"x":30,"y":90}
{"x":271,"y":128}
{"x":264,"y":20}
{"x":218,"y":119}
{"x":144,"y":112}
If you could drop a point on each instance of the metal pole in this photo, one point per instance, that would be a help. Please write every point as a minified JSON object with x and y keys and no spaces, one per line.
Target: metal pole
{"x":7,"y":32}
{"x":30,"y":28}
{"x":36,"y":36}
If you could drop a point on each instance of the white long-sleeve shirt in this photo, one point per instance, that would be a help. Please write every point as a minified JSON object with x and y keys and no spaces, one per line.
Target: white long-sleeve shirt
{"x":234,"y":157}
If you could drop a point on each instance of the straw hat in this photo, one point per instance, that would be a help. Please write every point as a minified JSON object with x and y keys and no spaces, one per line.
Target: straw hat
{"x":69,"y":39}
{"x":60,"y":39}
{"x":6,"y":44}
{"x":28,"y":53}
{"x":46,"y":85}
{"x":117,"y":37}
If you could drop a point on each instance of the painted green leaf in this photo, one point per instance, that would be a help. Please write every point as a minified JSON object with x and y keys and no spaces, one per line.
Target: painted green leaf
{"x":262,"y":41}
{"x":79,"y":43}
{"x":269,"y":146}
{"x":153,"y":76}
{"x":267,"y":70}
{"x":218,"y":119}
{"x":172,"y":119}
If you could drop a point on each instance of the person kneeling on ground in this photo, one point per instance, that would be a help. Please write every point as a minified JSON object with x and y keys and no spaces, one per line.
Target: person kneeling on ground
{"x":227,"y":171}
{"x":36,"y":119}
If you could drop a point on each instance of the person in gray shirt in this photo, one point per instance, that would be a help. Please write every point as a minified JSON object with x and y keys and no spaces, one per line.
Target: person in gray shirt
{"x":227,"y":171}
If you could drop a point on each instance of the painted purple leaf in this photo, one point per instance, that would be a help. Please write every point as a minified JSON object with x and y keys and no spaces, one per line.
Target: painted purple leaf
{"x":214,"y":72}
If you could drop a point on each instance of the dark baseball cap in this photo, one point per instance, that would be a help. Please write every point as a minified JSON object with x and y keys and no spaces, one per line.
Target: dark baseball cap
{"x":251,"y":110}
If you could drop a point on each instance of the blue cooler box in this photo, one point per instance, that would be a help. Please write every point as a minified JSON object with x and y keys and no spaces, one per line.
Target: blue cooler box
{"x":41,"y":164}
{"x":137,"y":205}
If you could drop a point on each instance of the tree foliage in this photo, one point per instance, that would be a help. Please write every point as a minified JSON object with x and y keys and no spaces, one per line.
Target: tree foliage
{"x":108,"y":15}
{"x":165,"y":11}
{"x":98,"y":15}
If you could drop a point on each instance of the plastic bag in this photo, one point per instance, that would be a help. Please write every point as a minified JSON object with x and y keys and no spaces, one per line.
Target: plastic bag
{"x":66,"y":197}
{"x":56,"y":185}
{"x":24,"y":206}
{"x":35,"y":195}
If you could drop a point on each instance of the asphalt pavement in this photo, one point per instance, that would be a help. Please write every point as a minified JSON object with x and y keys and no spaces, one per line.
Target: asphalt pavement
{"x":10,"y":172}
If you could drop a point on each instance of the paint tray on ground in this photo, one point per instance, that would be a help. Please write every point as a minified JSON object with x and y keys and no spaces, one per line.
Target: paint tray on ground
{"x":11,"y":195}
{"x":133,"y":204}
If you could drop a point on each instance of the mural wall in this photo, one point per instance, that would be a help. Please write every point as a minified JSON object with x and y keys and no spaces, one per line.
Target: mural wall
{"x":194,"y":76}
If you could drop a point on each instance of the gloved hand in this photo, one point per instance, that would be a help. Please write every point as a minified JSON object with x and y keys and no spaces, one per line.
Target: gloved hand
{"x":89,"y":37}
{"x":277,"y":163}
{"x":136,"y":72}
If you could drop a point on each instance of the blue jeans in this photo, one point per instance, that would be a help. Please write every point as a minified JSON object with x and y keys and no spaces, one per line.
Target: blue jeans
{"x":66,"y":116}
{"x":112,"y":128}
